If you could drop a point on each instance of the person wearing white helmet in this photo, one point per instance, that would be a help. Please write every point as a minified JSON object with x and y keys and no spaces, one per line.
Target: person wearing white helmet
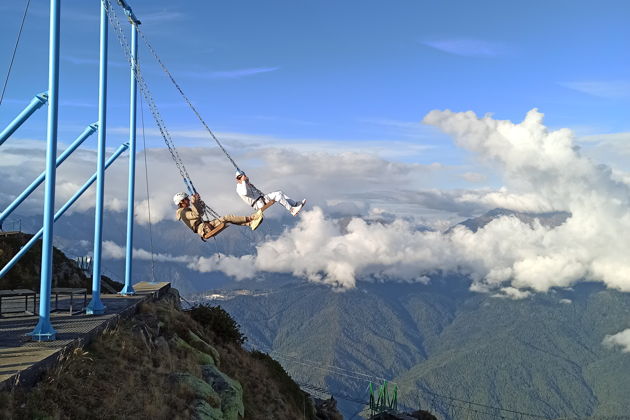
{"x":189,"y":211}
{"x":252,"y":196}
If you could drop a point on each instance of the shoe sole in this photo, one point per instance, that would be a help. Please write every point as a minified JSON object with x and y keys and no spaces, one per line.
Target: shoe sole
{"x":255,"y":223}
{"x":302,"y":204}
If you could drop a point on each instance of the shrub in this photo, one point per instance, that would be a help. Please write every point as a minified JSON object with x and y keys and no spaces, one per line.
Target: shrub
{"x":219,"y":322}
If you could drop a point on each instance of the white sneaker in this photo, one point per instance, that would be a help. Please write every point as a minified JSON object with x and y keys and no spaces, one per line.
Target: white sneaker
{"x":295,"y":210}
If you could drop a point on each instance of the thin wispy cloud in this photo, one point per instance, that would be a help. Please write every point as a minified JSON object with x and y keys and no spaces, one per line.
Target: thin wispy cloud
{"x":405,"y":128}
{"x":229,"y":74}
{"x":92,"y":61}
{"x":68,"y":13}
{"x":161,"y":17}
{"x":466,"y":47}
{"x":611,"y":89}
{"x":78,"y":104}
{"x":282,"y":119}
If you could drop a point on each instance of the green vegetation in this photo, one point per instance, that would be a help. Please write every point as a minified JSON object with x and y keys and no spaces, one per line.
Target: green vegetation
{"x":219,"y":322}
{"x":26,"y":273}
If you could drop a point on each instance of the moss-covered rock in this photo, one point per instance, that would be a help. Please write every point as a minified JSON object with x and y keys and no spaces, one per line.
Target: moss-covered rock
{"x":230,"y":391}
{"x":201,"y":345}
{"x":202,"y":358}
{"x":198,"y":387}
{"x":204,"y":411}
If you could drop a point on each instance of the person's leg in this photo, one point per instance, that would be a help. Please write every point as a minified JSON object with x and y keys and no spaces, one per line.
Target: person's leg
{"x":252,"y":221}
{"x":282,"y":198}
{"x":235,"y":220}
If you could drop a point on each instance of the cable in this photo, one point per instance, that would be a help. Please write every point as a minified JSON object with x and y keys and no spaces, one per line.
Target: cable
{"x":192,"y":107}
{"x":17,"y":42}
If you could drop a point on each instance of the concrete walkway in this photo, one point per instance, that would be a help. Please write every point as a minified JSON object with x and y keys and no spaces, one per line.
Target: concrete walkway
{"x":22,"y":361}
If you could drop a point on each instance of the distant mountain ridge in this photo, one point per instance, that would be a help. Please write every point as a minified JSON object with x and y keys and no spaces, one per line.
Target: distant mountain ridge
{"x":547,"y":219}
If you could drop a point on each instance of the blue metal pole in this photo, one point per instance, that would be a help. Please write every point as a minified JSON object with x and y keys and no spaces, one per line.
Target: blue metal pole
{"x":82,"y":137}
{"x":35,"y":104}
{"x":128,"y":289}
{"x":44,"y":330}
{"x":96,"y":306}
{"x":60,"y":212}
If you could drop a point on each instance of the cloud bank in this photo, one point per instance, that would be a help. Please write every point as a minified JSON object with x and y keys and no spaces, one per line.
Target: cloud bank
{"x":364,"y":216}
{"x":542,"y":171}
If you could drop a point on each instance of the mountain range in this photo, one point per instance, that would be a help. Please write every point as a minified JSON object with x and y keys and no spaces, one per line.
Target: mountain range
{"x":541,"y":355}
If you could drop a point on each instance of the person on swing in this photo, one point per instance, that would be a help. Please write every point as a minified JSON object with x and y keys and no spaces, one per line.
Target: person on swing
{"x":189,"y":211}
{"x":257,"y":200}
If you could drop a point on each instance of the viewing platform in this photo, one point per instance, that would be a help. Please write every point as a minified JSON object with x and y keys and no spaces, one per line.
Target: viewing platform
{"x":22,"y":361}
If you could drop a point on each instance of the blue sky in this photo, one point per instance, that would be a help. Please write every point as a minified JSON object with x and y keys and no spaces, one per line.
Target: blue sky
{"x":351,"y":73}
{"x":325,"y":100}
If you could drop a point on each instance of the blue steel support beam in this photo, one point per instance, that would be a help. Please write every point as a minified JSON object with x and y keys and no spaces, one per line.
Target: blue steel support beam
{"x":95,"y":306}
{"x":35,"y":104}
{"x":38,"y":181}
{"x":44,"y":330}
{"x":60,"y":213}
{"x":128,"y":288}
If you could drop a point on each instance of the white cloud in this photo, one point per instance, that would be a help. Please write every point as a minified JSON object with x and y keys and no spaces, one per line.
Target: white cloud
{"x":621,"y":339}
{"x":229,"y":74}
{"x":467,"y":47}
{"x":474,"y":177}
{"x":112,"y":250}
{"x":542,"y":170}
{"x":513,"y":293}
{"x":380,"y":203}
{"x":611,"y":89}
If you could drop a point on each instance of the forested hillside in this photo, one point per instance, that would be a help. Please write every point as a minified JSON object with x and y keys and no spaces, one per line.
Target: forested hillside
{"x":542,"y":355}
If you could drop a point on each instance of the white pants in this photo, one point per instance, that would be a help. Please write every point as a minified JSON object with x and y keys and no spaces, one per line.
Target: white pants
{"x":278,"y":197}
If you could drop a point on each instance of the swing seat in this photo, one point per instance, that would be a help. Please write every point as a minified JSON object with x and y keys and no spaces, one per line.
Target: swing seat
{"x":220,"y":228}
{"x":267,"y":205}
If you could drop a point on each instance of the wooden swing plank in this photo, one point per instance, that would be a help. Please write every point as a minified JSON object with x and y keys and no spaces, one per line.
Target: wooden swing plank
{"x":220,"y":228}
{"x":267,"y":205}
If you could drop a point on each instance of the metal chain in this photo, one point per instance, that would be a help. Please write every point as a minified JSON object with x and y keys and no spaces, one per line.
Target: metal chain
{"x":170,"y":76}
{"x":115,"y":22}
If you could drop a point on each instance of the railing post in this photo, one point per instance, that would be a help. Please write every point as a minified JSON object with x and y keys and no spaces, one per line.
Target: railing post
{"x":35,"y":104}
{"x":128,"y":288}
{"x":38,"y":181}
{"x":44,"y":330}
{"x":95,"y":306}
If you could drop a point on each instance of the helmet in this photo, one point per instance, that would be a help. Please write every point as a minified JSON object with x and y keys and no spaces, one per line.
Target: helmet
{"x":239,"y":173}
{"x":177,"y":198}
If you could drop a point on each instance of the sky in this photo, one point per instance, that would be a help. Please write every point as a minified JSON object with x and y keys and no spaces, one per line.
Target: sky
{"x":389,"y":117}
{"x":350,"y":73}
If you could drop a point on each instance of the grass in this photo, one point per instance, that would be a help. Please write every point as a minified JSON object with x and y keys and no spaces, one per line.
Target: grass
{"x":127,"y":373}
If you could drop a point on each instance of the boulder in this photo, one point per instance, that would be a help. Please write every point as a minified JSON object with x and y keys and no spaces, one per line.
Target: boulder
{"x":202,"y":358}
{"x":201,"y":389}
{"x":204,"y":411}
